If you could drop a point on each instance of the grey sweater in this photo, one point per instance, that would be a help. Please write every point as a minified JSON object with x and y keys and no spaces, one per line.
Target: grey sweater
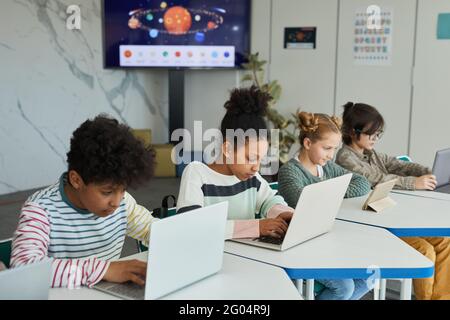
{"x":379,"y":167}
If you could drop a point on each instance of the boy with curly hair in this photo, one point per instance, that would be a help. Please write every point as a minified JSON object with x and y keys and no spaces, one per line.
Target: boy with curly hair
{"x":82,"y":220}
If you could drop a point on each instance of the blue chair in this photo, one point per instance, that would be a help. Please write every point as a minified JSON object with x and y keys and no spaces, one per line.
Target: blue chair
{"x":5,"y":251}
{"x":404,"y":158}
{"x":274,"y":185}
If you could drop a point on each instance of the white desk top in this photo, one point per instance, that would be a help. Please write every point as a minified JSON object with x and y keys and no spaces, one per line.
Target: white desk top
{"x":239,"y":279}
{"x":412,"y":216}
{"x":345,"y":252}
{"x":425,"y":194}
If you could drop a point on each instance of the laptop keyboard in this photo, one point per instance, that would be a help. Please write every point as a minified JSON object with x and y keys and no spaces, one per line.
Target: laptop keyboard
{"x":272,"y":240}
{"x":130,"y":290}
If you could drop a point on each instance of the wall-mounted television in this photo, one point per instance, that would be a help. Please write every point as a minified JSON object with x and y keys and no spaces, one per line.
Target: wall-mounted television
{"x":176,"y":34}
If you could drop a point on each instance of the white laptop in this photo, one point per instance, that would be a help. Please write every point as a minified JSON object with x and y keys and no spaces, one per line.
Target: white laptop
{"x":441,"y":169}
{"x":183,"y":249}
{"x":314,"y":214}
{"x":30,"y":282}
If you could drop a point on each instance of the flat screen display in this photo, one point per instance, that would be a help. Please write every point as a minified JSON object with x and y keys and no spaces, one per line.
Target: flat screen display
{"x":176,"y":34}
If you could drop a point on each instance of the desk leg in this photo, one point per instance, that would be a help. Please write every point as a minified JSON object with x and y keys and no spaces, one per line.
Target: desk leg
{"x":309,"y":289}
{"x":299,"y":285}
{"x":383,"y":289}
{"x":406,"y":288}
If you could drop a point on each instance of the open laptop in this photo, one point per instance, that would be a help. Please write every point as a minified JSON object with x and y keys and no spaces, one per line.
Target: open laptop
{"x":314,"y":214}
{"x":184,"y":248}
{"x":441,"y":169}
{"x":379,"y":199}
{"x":30,"y":282}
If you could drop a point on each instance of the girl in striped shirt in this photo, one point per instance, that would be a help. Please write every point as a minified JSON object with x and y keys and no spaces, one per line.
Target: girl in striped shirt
{"x":82,"y":220}
{"x":234,"y":176}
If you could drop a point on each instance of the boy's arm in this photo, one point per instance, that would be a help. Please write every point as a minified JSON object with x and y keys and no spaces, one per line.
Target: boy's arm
{"x":405,"y":168}
{"x":30,"y":244}
{"x":139,"y":220}
{"x":376,"y":176}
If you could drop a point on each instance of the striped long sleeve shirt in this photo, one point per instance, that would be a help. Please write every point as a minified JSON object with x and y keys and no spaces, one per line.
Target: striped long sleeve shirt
{"x":81,"y":243}
{"x":202,"y":186}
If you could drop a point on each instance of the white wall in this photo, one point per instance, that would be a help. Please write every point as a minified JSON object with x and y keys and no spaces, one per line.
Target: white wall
{"x":388,"y":88}
{"x":307,"y":76}
{"x":52,"y":79}
{"x":431,"y":108}
{"x":207,"y":90}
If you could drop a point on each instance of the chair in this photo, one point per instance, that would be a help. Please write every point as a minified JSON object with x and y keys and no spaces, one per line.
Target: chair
{"x":274,"y":185}
{"x":404,"y":158}
{"x":5,"y":251}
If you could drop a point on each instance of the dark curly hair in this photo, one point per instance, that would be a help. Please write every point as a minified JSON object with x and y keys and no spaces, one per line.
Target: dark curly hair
{"x":104,"y":151}
{"x":246,"y":109}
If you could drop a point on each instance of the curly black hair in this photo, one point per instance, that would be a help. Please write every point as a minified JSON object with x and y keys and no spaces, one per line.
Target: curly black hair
{"x":246,"y":109}
{"x":104,"y":151}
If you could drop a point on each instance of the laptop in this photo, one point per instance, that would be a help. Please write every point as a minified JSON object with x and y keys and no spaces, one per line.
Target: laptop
{"x":379,"y":199}
{"x":441,"y":169}
{"x":314,"y":214}
{"x":184,"y":249}
{"x":30,"y":282}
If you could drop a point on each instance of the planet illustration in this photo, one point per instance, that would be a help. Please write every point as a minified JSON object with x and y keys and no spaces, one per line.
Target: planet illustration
{"x":176,"y":21}
{"x":200,"y":37}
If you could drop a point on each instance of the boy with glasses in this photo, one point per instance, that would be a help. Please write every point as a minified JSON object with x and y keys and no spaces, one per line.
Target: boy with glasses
{"x":362,"y":128}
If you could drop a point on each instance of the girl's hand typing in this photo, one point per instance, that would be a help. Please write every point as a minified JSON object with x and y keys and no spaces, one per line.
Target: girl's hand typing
{"x":273,"y":227}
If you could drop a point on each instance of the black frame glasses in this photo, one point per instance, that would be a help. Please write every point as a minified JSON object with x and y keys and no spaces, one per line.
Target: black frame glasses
{"x":372,"y":137}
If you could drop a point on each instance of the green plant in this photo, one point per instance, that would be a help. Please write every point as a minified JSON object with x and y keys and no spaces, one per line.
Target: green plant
{"x":288,"y":132}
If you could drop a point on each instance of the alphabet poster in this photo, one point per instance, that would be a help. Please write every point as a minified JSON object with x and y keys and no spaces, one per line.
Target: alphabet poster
{"x":372,"y":44}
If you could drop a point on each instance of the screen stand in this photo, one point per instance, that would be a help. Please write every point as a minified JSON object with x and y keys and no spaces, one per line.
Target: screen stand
{"x":176,"y":101}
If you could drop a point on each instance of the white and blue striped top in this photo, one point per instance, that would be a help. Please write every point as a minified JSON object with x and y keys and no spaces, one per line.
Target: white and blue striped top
{"x":49,"y":225}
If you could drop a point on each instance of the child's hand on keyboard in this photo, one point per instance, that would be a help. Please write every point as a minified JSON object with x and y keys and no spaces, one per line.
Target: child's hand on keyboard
{"x":124,"y":271}
{"x":286,"y":216}
{"x":272,"y":227}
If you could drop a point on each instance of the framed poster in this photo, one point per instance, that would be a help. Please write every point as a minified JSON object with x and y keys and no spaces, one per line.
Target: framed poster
{"x":372,"y":44}
{"x":300,"y":38}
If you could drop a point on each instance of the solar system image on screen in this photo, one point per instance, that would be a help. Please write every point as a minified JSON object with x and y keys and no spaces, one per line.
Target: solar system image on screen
{"x":176,"y":34}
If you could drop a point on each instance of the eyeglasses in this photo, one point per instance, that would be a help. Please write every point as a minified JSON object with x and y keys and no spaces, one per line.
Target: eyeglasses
{"x":372,"y":137}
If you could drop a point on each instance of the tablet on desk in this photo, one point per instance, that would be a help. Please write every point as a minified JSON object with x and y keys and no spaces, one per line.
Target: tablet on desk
{"x":379,"y":199}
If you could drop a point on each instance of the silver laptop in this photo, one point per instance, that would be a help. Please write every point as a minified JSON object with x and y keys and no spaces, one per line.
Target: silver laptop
{"x":184,"y":248}
{"x":30,"y":282}
{"x":441,"y":169}
{"x":314,"y":214}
